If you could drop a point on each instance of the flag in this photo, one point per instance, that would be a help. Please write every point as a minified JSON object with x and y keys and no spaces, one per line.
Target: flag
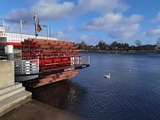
{"x":39,"y":28}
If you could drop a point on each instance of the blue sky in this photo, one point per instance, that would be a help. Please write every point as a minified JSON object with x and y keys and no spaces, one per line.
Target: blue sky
{"x":91,"y":20}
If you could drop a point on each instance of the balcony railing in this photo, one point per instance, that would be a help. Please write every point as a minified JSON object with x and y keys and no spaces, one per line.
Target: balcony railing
{"x":23,"y":67}
{"x":16,"y":37}
{"x":80,"y":60}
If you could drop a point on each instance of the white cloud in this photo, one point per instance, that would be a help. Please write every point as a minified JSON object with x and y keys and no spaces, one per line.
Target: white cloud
{"x":92,"y":39}
{"x":56,"y":9}
{"x":124,"y":31}
{"x":157,"y":17}
{"x":48,"y":9}
{"x":89,"y":39}
{"x":154,"y":32}
{"x":21,"y":13}
{"x":116,"y":25}
{"x":102,"y":6}
{"x":65,"y":34}
{"x":102,"y":23}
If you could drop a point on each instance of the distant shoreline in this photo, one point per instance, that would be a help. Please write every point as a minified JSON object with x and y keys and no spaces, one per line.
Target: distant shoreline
{"x":122,"y":51}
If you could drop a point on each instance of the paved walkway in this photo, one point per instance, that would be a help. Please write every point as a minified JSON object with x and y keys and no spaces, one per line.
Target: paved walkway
{"x":35,"y":110}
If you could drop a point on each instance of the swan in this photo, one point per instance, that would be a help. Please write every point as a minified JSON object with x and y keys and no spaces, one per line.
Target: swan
{"x":108,"y":76}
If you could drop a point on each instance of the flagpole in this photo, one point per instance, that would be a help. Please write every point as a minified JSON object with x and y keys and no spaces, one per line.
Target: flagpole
{"x":21,"y":26}
{"x":35,"y":22}
{"x":47,"y":31}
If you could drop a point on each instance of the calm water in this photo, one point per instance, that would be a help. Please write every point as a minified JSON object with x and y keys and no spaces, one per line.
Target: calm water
{"x":132,"y":93}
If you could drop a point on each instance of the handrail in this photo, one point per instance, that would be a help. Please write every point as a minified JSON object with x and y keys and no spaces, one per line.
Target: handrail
{"x":26,"y":66}
{"x":80,"y":60}
{"x":17,"y":37}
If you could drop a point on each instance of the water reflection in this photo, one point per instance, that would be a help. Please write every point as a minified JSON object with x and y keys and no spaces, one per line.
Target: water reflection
{"x":63,"y":94}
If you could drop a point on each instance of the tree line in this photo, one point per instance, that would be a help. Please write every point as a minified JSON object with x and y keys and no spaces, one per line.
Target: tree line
{"x":117,"y":46}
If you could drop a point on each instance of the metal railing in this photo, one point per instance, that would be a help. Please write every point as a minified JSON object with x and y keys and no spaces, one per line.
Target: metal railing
{"x":20,"y":36}
{"x":17,"y":37}
{"x":80,"y":60}
{"x":23,"y":67}
{"x":26,"y":66}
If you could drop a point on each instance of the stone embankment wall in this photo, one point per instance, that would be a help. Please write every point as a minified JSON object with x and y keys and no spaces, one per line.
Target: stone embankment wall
{"x":6,"y":73}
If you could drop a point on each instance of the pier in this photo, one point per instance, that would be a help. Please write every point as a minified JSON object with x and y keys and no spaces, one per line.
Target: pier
{"x":12,"y":94}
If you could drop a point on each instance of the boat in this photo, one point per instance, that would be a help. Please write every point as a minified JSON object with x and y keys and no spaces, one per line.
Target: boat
{"x":40,"y":60}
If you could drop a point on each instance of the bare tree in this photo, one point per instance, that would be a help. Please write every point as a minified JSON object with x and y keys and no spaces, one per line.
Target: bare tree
{"x":138,"y":43}
{"x":158,"y":43}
